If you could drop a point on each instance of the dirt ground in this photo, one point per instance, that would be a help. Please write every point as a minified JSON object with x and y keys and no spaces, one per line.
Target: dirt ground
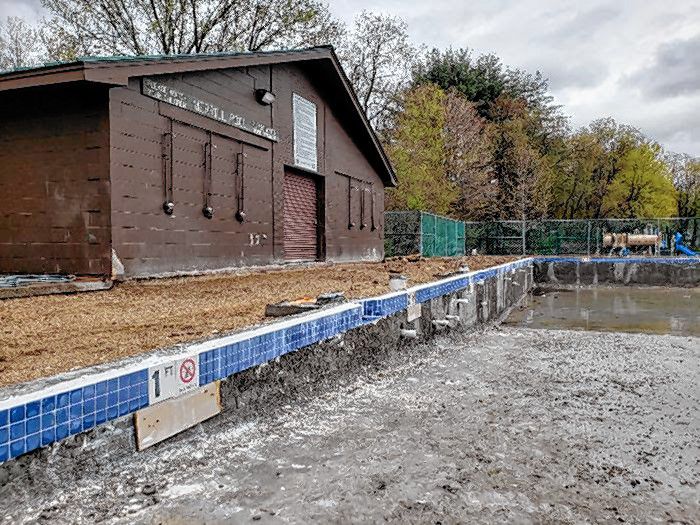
{"x":43,"y":336}
{"x":509,"y":426}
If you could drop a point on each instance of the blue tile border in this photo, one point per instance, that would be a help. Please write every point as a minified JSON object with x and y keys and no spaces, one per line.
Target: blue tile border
{"x":39,"y":419}
{"x":384,"y":305}
{"x":425,"y":293}
{"x":458,"y":282}
{"x":232,"y":357}
{"x":31,"y":421}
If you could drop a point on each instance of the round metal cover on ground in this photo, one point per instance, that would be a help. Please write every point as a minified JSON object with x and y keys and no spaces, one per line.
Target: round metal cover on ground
{"x":300,"y":217}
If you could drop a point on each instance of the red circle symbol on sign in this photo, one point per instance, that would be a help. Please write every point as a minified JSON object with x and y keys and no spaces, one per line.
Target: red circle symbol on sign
{"x":187,"y":370}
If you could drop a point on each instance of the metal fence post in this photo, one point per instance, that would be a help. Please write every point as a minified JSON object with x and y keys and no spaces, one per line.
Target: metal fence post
{"x":435,"y":236}
{"x":588,"y":237}
{"x":524,"y":243}
{"x":420,"y":233}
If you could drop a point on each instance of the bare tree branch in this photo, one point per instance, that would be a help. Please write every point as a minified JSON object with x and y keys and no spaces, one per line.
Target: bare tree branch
{"x":378,"y":58}
{"x":131,"y":27}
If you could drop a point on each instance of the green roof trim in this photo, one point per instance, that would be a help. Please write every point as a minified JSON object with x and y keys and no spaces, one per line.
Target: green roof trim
{"x":145,"y":58}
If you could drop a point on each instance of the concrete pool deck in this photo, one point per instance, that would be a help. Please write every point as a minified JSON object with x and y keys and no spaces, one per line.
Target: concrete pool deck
{"x":507,"y":425}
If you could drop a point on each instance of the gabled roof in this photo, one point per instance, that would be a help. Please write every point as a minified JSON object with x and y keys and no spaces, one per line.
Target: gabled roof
{"x":118,"y":70}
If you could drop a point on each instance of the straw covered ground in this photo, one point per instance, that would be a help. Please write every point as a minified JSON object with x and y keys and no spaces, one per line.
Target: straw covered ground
{"x":43,"y":336}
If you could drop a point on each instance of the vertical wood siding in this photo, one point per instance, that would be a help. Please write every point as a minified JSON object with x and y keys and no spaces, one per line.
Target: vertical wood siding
{"x":82,"y":171}
{"x":148,"y":241}
{"x":339,"y":156}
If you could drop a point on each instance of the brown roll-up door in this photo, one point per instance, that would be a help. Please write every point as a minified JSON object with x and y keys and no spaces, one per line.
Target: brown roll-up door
{"x":300,"y":217}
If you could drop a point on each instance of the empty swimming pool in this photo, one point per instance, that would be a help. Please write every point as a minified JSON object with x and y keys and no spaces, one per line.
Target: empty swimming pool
{"x":657,"y":310}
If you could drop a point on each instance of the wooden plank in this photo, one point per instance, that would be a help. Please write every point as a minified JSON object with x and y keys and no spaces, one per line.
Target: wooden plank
{"x":166,"y":419}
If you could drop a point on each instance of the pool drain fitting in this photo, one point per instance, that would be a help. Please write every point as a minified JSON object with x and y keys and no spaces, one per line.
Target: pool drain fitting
{"x":409,"y":334}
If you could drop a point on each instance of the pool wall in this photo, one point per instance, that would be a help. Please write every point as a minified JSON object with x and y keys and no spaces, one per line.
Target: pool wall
{"x":639,"y":271}
{"x":90,"y":411}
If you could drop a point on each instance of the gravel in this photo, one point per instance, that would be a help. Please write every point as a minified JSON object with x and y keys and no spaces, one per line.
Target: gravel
{"x":509,"y":425}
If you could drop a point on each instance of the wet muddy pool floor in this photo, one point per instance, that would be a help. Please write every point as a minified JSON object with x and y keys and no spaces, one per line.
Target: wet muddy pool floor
{"x":507,"y":425}
{"x":653,"y":310}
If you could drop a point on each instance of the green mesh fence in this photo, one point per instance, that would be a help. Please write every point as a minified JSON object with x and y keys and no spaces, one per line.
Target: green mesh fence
{"x":415,"y":232}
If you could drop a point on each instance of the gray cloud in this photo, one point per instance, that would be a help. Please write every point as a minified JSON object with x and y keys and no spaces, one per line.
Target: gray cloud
{"x":27,"y":9}
{"x":582,"y":73}
{"x":589,"y":51}
{"x":581,"y":26}
{"x":565,"y":29}
{"x":675,"y":71}
{"x":680,"y":122}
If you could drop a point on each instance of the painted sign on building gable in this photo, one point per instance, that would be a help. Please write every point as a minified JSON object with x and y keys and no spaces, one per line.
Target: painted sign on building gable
{"x":172,"y":96}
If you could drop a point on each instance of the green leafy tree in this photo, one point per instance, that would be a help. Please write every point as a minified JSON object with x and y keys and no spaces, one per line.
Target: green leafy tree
{"x":479,"y":79}
{"x":416,"y":146}
{"x":574,"y":183}
{"x":469,"y":159}
{"x":482,"y":79}
{"x":685,"y":172}
{"x":521,"y":171}
{"x":642,"y":187}
{"x":527,"y":131}
{"x":441,"y":149}
{"x":591,"y":160}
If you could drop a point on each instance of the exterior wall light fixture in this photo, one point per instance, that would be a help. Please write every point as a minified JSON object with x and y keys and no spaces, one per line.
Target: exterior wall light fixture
{"x":264,"y":97}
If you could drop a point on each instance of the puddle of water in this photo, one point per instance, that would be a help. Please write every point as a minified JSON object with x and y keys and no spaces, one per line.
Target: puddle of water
{"x":625,"y":309}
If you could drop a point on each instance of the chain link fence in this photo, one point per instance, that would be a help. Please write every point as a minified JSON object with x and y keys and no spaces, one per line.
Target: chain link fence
{"x":415,"y":232}
{"x":402,"y":233}
{"x":575,"y":237}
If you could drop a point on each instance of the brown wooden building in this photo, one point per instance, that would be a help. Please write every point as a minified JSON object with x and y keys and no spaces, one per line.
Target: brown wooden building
{"x":151,"y":165}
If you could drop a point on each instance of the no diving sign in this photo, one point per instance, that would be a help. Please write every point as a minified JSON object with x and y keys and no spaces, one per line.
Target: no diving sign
{"x":172,"y":379}
{"x":188,"y":369}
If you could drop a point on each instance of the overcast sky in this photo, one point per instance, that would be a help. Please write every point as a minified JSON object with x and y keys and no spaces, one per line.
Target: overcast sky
{"x":635,"y":60}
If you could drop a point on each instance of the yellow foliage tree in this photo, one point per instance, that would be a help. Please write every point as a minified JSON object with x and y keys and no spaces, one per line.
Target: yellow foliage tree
{"x":642,"y":187}
{"x":416,"y":146}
